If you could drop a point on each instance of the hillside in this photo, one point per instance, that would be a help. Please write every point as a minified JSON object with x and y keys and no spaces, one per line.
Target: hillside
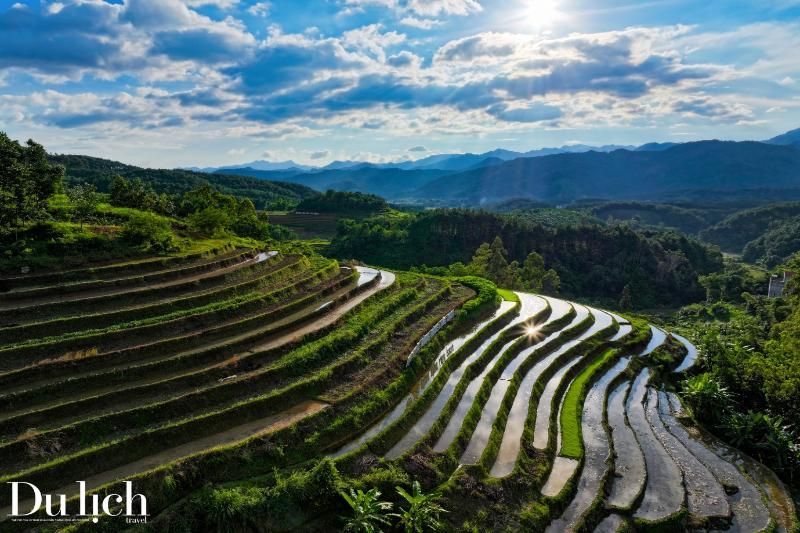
{"x":691,"y":169}
{"x":264,"y":194}
{"x":390,"y":183}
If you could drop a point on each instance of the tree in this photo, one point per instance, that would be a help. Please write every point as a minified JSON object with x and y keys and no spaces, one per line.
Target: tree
{"x":209,"y":221}
{"x":625,"y":301}
{"x":551,"y":283}
{"x":84,"y":200}
{"x":27,"y":180}
{"x":369,"y":512}
{"x":422,"y":513}
{"x":497,"y":264}
{"x":148,"y":230}
{"x":480,"y":260}
{"x":533,"y":272}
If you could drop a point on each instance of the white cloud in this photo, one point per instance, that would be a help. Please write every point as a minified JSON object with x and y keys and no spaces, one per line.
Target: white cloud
{"x":433,"y":8}
{"x":420,"y":23}
{"x":260,"y":9}
{"x":787,"y":81}
{"x":236,"y":151}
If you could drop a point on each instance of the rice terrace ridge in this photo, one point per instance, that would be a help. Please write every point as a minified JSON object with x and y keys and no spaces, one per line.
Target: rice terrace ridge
{"x":399,"y":265}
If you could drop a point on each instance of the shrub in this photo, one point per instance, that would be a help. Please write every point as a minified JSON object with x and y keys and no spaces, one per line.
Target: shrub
{"x":150,"y":231}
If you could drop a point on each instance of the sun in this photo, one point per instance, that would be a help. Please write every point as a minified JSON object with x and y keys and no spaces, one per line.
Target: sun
{"x":540,"y":14}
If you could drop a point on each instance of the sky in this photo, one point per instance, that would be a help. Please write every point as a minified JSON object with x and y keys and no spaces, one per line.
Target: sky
{"x":168,"y":83}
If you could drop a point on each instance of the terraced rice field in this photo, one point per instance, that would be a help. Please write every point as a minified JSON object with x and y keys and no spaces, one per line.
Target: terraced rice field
{"x":222,"y":368}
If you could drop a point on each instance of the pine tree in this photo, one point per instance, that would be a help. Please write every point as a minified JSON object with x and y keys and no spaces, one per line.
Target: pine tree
{"x":625,"y":302}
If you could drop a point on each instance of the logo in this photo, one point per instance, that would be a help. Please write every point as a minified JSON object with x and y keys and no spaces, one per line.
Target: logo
{"x":27,"y":501}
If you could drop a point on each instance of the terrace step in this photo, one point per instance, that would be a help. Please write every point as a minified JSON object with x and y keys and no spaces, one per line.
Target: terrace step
{"x":749,"y":511}
{"x":480,"y":436}
{"x":611,"y":524}
{"x":116,"y":268}
{"x":424,"y":424}
{"x":261,"y":278}
{"x":664,"y":493}
{"x":597,"y":451}
{"x":422,"y":384}
{"x":129,"y":393}
{"x":62,"y":291}
{"x":705,"y":496}
{"x":200,"y":425}
{"x":242,"y":432}
{"x":544,"y":408}
{"x":691,"y":354}
{"x":185,"y":324}
{"x":630,"y":473}
{"x":116,"y":367}
{"x":531,"y":305}
{"x":20,"y":312}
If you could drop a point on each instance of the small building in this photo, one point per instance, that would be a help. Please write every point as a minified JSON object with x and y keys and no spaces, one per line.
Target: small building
{"x":777,"y":284}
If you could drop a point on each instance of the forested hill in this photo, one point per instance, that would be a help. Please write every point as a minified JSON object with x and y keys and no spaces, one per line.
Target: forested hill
{"x":691,"y":170}
{"x":264,"y":194}
{"x":593,"y":261}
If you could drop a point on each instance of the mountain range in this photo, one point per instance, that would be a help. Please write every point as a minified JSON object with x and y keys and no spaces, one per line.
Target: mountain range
{"x":716,"y":170}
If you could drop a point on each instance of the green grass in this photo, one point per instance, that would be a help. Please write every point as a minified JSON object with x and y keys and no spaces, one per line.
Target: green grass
{"x":571,"y":443}
{"x":508,"y":295}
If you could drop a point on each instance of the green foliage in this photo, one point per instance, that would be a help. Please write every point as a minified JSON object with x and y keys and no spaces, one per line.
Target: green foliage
{"x":369,"y":512}
{"x":421,"y":513}
{"x":735,"y":279}
{"x":27,"y":180}
{"x":264,"y":194}
{"x":209,"y":221}
{"x":709,"y":399}
{"x":572,"y":406}
{"x":150,"y":231}
{"x":646,"y":214}
{"x":662,"y":268}
{"x":734,"y":232}
{"x":775,"y":245}
{"x":233,"y":509}
{"x":343,"y":202}
{"x":625,"y":299}
{"x":139,"y":195}
{"x":84,"y":200}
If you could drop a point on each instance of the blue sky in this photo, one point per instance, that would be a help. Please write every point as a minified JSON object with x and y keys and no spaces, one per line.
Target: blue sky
{"x":169,"y":83}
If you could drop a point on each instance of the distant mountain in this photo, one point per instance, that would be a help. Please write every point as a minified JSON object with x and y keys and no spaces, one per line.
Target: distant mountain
{"x":655,"y":147}
{"x":259,"y":164}
{"x":705,"y":167}
{"x":391,"y":183}
{"x":790,"y":138}
{"x":100,"y":172}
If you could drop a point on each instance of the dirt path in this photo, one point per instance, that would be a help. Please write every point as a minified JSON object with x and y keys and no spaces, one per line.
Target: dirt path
{"x":236,"y":434}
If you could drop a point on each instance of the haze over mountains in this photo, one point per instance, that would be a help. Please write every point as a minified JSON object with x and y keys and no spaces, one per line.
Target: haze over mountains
{"x":720,"y":170}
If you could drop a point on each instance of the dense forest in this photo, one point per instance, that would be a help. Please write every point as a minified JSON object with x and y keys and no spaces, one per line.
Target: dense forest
{"x":659,"y":268}
{"x":263,"y":194}
{"x":343,"y":202}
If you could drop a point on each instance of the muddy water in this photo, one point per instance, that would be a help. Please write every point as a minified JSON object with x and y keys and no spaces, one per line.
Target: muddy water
{"x":531,"y":305}
{"x":663,"y":493}
{"x":426,"y":421}
{"x":705,"y":496}
{"x":480,"y":437}
{"x":691,"y":354}
{"x":749,"y":512}
{"x":596,"y":451}
{"x":541,"y":434}
{"x":422,"y":384}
